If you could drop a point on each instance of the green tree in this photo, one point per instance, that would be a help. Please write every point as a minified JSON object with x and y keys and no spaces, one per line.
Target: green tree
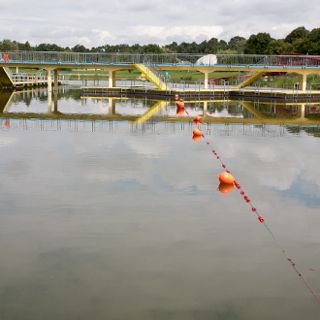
{"x":48,"y":47}
{"x":8,"y":45}
{"x":258,"y":44}
{"x":237,"y":44}
{"x":296,"y":34}
{"x":312,"y":43}
{"x":279,"y":47}
{"x":151,"y":48}
{"x":79,"y":48}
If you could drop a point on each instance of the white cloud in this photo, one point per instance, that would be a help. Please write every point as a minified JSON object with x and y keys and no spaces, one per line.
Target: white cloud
{"x":192,"y":32}
{"x":70,"y":22}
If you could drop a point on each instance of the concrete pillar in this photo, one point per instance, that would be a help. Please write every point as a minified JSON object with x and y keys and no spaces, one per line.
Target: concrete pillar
{"x":49,"y":101}
{"x":303,"y":111}
{"x":55,"y":101}
{"x":49,"y":87}
{"x":112,"y":106}
{"x":49,"y":81}
{"x":206,"y":79}
{"x":205,"y":108}
{"x":303,"y":82}
{"x":17,"y":70}
{"x":55,"y":80}
{"x":112,"y":79}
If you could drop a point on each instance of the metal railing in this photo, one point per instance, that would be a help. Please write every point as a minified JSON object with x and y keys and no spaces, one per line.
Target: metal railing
{"x":26,"y":77}
{"x":74,"y":58}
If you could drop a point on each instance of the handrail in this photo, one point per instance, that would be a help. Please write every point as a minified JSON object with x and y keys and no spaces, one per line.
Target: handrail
{"x":67,"y":58}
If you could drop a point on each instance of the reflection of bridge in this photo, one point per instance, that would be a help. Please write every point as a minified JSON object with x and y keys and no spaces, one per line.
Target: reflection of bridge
{"x":151,"y":65}
{"x":255,"y":111}
{"x":215,"y":129}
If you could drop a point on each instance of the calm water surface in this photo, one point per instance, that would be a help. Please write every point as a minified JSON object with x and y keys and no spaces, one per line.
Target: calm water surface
{"x":115,"y":220}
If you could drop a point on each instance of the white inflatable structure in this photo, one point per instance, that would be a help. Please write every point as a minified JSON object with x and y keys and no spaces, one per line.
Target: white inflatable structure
{"x":208,"y":60}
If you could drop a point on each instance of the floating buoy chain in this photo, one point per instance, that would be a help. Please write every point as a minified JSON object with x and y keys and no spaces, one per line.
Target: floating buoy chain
{"x":227,"y":179}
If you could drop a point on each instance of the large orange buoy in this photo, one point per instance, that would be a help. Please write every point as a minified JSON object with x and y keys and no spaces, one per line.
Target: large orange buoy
{"x":196,"y":138}
{"x":197,"y":133}
{"x":225,"y":187}
{"x":225,"y":177}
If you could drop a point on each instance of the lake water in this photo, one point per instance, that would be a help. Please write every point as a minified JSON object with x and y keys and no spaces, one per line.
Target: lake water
{"x":117,"y":219}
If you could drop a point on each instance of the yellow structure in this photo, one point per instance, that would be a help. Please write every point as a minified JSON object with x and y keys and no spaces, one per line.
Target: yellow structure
{"x":5,"y":78}
{"x":151,"y":76}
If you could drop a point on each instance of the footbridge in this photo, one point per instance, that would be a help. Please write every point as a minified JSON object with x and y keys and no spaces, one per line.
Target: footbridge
{"x":152,"y":65}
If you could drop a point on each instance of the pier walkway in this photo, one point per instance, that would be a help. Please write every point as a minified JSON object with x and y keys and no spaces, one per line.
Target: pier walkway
{"x":153,"y":65}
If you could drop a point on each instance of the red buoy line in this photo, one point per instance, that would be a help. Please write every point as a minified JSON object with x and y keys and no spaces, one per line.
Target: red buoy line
{"x":226,"y":179}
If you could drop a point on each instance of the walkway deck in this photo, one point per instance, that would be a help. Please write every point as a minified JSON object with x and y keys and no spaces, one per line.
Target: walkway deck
{"x":219,"y":91}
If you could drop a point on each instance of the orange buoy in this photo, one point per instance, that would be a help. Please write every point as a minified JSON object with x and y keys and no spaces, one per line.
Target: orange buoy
{"x":261,"y":218}
{"x":197,"y":119}
{"x":180,"y":104}
{"x":180,"y":112}
{"x":196,"y":138}
{"x":197,"y":133}
{"x":225,"y":187}
{"x":6,"y":123}
{"x":225,"y":177}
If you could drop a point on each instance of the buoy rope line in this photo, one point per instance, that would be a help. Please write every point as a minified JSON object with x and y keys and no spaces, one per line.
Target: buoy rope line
{"x":261,"y":218}
{"x":226,"y":177}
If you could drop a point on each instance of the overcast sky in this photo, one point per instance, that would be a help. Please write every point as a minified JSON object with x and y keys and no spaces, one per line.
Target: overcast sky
{"x":97,"y":22}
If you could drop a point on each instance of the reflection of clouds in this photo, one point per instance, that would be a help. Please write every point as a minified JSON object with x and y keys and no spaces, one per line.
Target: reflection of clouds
{"x":137,"y":233}
{"x":149,"y":160}
{"x":305,"y":191}
{"x":275,"y":163}
{"x":164,"y":156}
{"x":5,"y":141}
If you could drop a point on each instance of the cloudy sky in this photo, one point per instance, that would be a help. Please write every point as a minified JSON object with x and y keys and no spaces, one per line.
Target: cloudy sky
{"x":97,"y":22}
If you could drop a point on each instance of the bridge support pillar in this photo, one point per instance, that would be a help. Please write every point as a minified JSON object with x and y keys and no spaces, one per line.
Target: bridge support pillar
{"x":205,"y":108}
{"x":49,"y":87}
{"x":112,"y":106}
{"x":112,"y":79}
{"x":55,"y":80}
{"x":55,"y":101}
{"x":206,"y":79}
{"x":49,"y":80}
{"x":303,"y":82}
{"x":303,"y":111}
{"x":49,"y":102}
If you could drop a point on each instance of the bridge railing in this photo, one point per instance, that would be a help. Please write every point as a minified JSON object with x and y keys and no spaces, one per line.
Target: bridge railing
{"x":65,"y":58}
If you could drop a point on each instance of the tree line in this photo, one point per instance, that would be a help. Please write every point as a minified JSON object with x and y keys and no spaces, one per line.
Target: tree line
{"x":298,"y":41}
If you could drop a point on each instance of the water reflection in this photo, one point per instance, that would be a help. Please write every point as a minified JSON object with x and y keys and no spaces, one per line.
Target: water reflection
{"x":123,"y":220}
{"x":68,"y":103}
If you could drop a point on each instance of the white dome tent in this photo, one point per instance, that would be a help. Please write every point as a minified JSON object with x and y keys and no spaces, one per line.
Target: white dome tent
{"x":208,"y":60}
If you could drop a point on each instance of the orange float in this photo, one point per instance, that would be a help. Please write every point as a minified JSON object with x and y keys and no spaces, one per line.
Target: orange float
{"x":6,"y":123}
{"x":180,"y":112}
{"x":225,"y":177}
{"x":180,"y":104}
{"x":197,"y":119}
{"x":196,"y":138}
{"x":225,"y":187}
{"x":197,"y":133}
